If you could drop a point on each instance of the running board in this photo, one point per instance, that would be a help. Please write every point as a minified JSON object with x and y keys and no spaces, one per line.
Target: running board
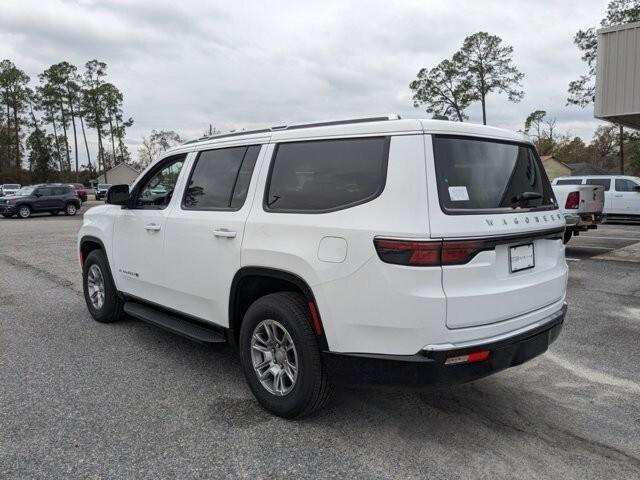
{"x":173,"y":323}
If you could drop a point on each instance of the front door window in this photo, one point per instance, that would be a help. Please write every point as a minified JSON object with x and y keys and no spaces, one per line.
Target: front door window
{"x":156,"y":193}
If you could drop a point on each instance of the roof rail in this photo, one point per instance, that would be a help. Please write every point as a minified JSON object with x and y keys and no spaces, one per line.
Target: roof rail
{"x":381,"y":118}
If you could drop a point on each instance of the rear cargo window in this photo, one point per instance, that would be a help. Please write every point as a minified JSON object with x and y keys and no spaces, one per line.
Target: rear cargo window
{"x":326,"y":175}
{"x":484,"y":175}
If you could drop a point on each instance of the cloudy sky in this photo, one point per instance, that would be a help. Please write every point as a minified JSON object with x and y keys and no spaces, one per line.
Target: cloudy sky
{"x":184,"y":64}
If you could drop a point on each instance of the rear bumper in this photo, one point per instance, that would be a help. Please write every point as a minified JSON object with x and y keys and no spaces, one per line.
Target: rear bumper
{"x":583,"y":222}
{"x":428,"y":367}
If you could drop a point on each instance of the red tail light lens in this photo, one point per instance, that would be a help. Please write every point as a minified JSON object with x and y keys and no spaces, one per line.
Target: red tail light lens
{"x":460,"y":251}
{"x":573,"y":200}
{"x":402,"y":252}
{"x":429,"y":253}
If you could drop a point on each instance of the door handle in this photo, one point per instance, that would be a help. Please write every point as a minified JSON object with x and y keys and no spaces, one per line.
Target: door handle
{"x":225,"y":233}
{"x":618,"y":196}
{"x":152,"y":227}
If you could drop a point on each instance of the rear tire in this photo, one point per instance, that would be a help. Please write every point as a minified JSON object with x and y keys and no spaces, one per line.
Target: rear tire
{"x":24,"y":211}
{"x":70,"y":209}
{"x":288,"y":314}
{"x":98,"y":284}
{"x":567,"y":236}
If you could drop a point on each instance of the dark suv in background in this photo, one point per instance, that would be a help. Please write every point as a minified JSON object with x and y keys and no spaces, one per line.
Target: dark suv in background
{"x":40,"y":198}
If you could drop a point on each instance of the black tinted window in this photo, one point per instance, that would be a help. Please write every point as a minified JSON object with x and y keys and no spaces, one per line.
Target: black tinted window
{"x":605,"y":182}
{"x":475,"y":174}
{"x":220,"y":178}
{"x":327,"y":175}
{"x":44,"y":191}
{"x":624,"y":185}
{"x":59,"y":190}
{"x":569,"y":182}
{"x":244,"y":177}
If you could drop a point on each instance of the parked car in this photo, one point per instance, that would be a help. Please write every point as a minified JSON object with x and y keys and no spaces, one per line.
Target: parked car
{"x":40,"y":198}
{"x":621,"y":193}
{"x":582,"y":207}
{"x":81,"y":190}
{"x":101,"y":190}
{"x":9,"y":189}
{"x":378,"y":250}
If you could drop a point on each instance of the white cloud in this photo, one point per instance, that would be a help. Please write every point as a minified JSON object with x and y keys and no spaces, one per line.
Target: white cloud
{"x":183,"y":65}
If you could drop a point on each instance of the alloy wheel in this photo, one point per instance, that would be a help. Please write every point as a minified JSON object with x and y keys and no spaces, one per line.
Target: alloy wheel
{"x":95,"y":286}
{"x":274,"y":357}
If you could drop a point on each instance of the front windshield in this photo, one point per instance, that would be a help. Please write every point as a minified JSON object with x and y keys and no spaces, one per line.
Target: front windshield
{"x":25,"y":191}
{"x":11,"y":187}
{"x":104,"y":186}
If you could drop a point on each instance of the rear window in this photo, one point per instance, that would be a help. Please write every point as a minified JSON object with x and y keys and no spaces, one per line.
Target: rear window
{"x":605,"y":182}
{"x":220,"y":179}
{"x":326,"y":175}
{"x":569,"y":182}
{"x":59,"y":190}
{"x":483,"y":175}
{"x":624,"y":185}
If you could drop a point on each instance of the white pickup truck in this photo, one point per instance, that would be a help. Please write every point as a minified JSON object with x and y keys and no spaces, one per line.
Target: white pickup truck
{"x":582,"y":207}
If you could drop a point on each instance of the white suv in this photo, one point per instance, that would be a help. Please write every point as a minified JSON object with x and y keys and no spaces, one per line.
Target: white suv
{"x":373,"y":250}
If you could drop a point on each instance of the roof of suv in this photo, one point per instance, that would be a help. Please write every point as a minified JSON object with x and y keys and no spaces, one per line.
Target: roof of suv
{"x":379,"y":125}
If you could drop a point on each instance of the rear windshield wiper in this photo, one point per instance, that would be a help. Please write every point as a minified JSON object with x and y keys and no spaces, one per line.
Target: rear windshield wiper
{"x":522,"y":199}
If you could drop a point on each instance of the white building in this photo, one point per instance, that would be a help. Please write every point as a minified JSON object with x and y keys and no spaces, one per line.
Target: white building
{"x":618,"y":75}
{"x":120,"y":174}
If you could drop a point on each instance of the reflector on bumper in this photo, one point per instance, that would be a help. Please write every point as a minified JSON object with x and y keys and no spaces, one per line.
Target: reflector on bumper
{"x":468,"y":358}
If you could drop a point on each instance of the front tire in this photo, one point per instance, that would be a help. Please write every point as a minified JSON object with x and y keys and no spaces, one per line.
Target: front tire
{"x":100,"y":293}
{"x":281,"y":357}
{"x":24,"y":211}
{"x":567,"y":236}
{"x":70,"y":209}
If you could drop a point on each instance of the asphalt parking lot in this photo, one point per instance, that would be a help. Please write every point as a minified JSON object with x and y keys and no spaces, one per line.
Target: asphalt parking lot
{"x":79,"y":399}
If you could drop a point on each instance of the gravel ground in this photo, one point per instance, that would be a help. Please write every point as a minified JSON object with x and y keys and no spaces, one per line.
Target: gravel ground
{"x":79,"y":399}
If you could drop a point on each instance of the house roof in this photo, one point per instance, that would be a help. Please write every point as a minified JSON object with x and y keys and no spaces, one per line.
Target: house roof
{"x":583,"y":168}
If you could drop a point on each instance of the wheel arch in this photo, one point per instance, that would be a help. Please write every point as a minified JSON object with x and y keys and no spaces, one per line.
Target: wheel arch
{"x":89,"y":243}
{"x":251,"y":283}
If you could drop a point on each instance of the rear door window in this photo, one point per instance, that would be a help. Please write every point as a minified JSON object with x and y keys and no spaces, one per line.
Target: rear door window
{"x":220,"y":179}
{"x":481,"y":175}
{"x":569,"y":182}
{"x":605,"y":182}
{"x":326,"y":175}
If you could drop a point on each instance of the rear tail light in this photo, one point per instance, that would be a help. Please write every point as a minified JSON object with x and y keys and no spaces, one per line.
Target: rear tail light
{"x":573,"y":200}
{"x":402,"y":252}
{"x":473,"y":357}
{"x":429,"y":253}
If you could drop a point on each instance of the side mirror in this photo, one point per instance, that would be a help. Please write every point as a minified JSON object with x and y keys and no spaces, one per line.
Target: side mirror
{"x":37,"y":194}
{"x":118,"y":195}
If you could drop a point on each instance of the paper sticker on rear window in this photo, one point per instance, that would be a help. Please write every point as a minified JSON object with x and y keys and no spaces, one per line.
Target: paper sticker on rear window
{"x":458,"y":194}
